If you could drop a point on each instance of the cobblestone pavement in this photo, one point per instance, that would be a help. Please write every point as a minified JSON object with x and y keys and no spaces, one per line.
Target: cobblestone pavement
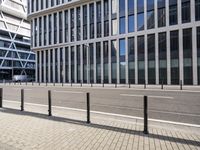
{"x":67,"y":129}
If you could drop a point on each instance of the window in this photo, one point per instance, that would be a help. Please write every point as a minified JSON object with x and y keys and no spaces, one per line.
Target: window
{"x":84,"y":22}
{"x":185,"y":12}
{"x":122,"y":25}
{"x":113,"y":61}
{"x":162,"y":46}
{"x":122,"y":52}
{"x":150,"y":19}
{"x":140,"y":21}
{"x":78,"y":23}
{"x":114,"y":6}
{"x":150,"y":4}
{"x":98,"y":19}
{"x":98,"y":62}
{"x":105,"y":64}
{"x":131,"y":6}
{"x":66,"y":26}
{"x":106,"y":28}
{"x":50,"y":29}
{"x":161,"y":17}
{"x":141,"y":66}
{"x":151,"y":58}
{"x":114,"y":27}
{"x":60,"y":27}
{"x":187,"y":56}
{"x":140,"y":6}
{"x":122,"y":7}
{"x":174,"y":53}
{"x":197,"y":10}
{"x":91,"y":60}
{"x":91,"y":21}
{"x":106,"y":9}
{"x":72,"y":24}
{"x":55,"y":28}
{"x":131,"y":24}
{"x":173,"y":15}
{"x":161,"y":3}
{"x":131,"y":60}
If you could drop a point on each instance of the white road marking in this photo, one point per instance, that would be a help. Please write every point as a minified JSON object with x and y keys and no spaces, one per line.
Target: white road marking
{"x":152,"y":96}
{"x":72,"y":92}
{"x":111,"y":114}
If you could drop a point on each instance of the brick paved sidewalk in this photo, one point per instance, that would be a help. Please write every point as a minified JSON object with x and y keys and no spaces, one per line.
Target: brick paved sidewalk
{"x":67,"y":129}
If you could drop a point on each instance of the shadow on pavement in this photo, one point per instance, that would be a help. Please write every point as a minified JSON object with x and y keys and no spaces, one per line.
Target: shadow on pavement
{"x":105,"y":127}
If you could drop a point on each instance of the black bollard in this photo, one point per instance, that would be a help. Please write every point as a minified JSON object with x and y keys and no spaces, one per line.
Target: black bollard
{"x":88,"y":107}
{"x":162,"y":85}
{"x":22,"y":99}
{"x":1,"y":97}
{"x":145,"y":115}
{"x":181,"y":85}
{"x":49,"y":102}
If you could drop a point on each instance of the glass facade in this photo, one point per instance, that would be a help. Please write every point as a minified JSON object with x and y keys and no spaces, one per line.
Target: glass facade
{"x":126,"y":41}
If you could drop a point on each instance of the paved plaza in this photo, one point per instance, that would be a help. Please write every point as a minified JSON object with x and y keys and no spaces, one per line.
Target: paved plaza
{"x":67,"y":130}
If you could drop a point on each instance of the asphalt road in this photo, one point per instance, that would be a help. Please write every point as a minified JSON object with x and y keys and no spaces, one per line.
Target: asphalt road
{"x":169,"y":105}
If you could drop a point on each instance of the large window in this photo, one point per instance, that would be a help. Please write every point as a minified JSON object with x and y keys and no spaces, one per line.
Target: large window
{"x":98,"y":15}
{"x":66,"y":26}
{"x":186,"y":12}
{"x":162,"y":45}
{"x":140,"y":21}
{"x":91,"y":20}
{"x":78,"y":23}
{"x":197,"y":10}
{"x":72,"y":24}
{"x":84,"y":64}
{"x":150,"y":19}
{"x":131,"y":25}
{"x":55,"y":28}
{"x":161,"y":17}
{"x":174,"y":56}
{"x":91,"y":60}
{"x":131,"y":60}
{"x":140,"y":6}
{"x":122,"y":25}
{"x":72,"y":63}
{"x":78,"y":59}
{"x":122,"y":6}
{"x":198,"y":53}
{"x":151,"y":58}
{"x":98,"y":62}
{"x":114,"y":61}
{"x":141,"y":66}
{"x":60,"y":27}
{"x":122,"y":52}
{"x":67,"y":64}
{"x":131,"y":6}
{"x":187,"y":56}
{"x":84,"y":22}
{"x":173,"y":13}
{"x":105,"y":61}
{"x":106,"y":18}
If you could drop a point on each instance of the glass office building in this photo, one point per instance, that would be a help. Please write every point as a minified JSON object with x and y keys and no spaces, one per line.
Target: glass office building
{"x":16,"y":58}
{"x":116,"y":41}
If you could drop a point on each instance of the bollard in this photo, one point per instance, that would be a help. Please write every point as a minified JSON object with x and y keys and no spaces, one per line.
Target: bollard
{"x":145,"y":115}
{"x":145,"y":86}
{"x":162,"y":85}
{"x":181,"y":85}
{"x":39,"y":83}
{"x":14,"y":83}
{"x":53,"y":83}
{"x":81,"y":83}
{"x":116,"y":84}
{"x":49,"y":102}
{"x":91,"y":85}
{"x":26,"y":83}
{"x":88,"y":107}
{"x":71,"y":83}
{"x":103,"y":83}
{"x":32,"y":83}
{"x":129,"y":84}
{"x":22,"y":99}
{"x":62,"y":83}
{"x":1,"y":97}
{"x":20,"y":83}
{"x":46,"y":83}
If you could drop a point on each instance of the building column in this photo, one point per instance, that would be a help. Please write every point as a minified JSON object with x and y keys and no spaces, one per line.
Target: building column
{"x":44,"y":66}
{"x":58,"y":18}
{"x":36,"y":67}
{"x":75,"y":64}
{"x":95,"y":63}
{"x":135,"y":43}
{"x":168,"y":59}
{"x":42,"y":38}
{"x":181,"y":71}
{"x":69,"y":64}
{"x":49,"y":66}
{"x":40,"y":67}
{"x":64,"y":64}
{"x":47,"y":31}
{"x":157,"y":58}
{"x":118,"y":63}
{"x":102,"y":62}
{"x":54,"y":70}
{"x":126,"y":60}
{"x":81,"y":53}
{"x":58,"y":64}
{"x":146,"y":59}
{"x":194,"y":55}
{"x":38,"y":34}
{"x":109,"y":62}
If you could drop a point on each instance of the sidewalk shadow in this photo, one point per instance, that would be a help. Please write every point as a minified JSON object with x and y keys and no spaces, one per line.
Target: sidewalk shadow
{"x":105,"y":127}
